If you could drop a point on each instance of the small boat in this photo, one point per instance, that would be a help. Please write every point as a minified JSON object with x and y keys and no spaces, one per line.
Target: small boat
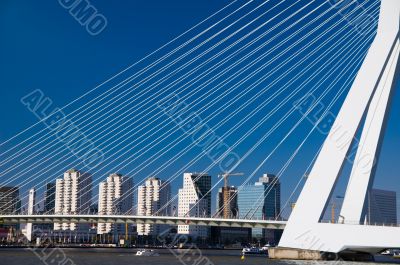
{"x":266,"y":247}
{"x":387,"y":252}
{"x":254,"y":251}
{"x":147,"y":253}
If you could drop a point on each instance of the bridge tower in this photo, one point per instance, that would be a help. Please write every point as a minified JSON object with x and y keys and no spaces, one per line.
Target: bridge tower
{"x":366,"y":107}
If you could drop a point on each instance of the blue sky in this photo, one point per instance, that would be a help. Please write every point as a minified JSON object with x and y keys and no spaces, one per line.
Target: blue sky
{"x":44,"y":47}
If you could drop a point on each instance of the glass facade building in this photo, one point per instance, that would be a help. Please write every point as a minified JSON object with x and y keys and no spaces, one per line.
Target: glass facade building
{"x":9,"y":200}
{"x":381,"y":207}
{"x":260,"y":201}
{"x":50,"y":198}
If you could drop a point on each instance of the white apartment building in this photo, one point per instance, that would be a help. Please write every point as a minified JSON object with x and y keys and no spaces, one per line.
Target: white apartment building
{"x":195,"y":201}
{"x":153,"y":197}
{"x":115,"y":197}
{"x":31,"y":210}
{"x":73,"y":196}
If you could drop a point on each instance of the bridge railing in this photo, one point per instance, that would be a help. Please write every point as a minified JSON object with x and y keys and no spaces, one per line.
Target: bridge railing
{"x":157,"y":215}
{"x":367,"y":224}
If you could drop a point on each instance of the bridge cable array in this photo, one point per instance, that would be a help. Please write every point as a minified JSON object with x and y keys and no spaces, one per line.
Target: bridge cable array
{"x":204,"y":107}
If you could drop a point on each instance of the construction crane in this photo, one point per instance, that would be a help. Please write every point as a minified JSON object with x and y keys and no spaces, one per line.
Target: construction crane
{"x":226,"y":192}
{"x":226,"y":175}
{"x":126,"y":234}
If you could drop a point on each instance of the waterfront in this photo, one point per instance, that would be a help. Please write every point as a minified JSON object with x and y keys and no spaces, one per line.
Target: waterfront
{"x":127,"y":257}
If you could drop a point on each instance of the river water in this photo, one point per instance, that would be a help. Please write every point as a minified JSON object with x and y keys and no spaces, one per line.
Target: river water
{"x":127,"y":257}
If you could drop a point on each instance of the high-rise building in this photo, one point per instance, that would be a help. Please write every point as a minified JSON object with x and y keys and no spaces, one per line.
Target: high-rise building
{"x":261,"y":201}
{"x":73,"y":196}
{"x":50,"y":198}
{"x":227,"y":206}
{"x":115,"y":197}
{"x":9,"y":200}
{"x":31,"y":201}
{"x":31,"y":210}
{"x":195,"y":200}
{"x":153,"y":197}
{"x":10,"y":203}
{"x":94,"y":209}
{"x":381,"y":207}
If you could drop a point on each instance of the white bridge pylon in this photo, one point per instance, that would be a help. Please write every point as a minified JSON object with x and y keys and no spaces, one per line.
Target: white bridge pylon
{"x":369,"y":99}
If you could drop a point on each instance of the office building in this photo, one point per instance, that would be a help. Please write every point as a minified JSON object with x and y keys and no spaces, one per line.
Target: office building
{"x":230,"y":235}
{"x":73,"y":196}
{"x":94,"y":209}
{"x":261,"y":201}
{"x":153,"y":198}
{"x":381,"y":207}
{"x":10,"y":203}
{"x":195,"y":201}
{"x":49,"y":205}
{"x":115,"y":198}
{"x":9,"y":200}
{"x":227,"y":206}
{"x":50,"y":198}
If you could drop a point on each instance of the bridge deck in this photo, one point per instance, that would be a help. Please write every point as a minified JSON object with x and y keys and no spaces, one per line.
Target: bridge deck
{"x":134,"y":219}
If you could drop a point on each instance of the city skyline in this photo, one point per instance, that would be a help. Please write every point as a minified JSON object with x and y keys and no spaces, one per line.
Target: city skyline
{"x":386,"y":172}
{"x":376,"y":203}
{"x":154,"y":198}
{"x":268,"y":126}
